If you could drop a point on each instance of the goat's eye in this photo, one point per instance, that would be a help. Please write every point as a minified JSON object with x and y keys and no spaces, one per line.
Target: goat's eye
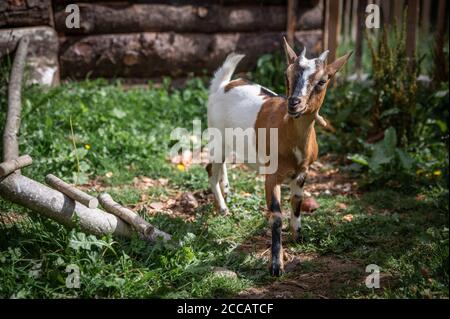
{"x":321,"y":82}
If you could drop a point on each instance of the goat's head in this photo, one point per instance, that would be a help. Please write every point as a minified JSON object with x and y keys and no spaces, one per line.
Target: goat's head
{"x":307,"y":81}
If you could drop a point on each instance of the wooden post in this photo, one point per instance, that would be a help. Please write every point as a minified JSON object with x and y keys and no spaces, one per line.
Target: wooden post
{"x":361,"y":13}
{"x":440,"y":27}
{"x":354,"y":19}
{"x":425,"y":17}
{"x":326,"y":22}
{"x":398,"y":12}
{"x":385,"y":6}
{"x":333,"y":27}
{"x":71,"y":192}
{"x":292,"y":6}
{"x":413,"y":11}
{"x":347,"y":17}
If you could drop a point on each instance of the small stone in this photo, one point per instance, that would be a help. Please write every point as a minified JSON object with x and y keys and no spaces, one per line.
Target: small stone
{"x":157,"y":205}
{"x":309,"y":205}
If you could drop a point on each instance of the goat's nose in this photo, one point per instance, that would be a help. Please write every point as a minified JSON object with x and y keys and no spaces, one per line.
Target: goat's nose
{"x":293,"y":101}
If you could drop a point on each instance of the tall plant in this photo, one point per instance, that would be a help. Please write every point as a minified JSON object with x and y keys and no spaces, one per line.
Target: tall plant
{"x":395,"y":83}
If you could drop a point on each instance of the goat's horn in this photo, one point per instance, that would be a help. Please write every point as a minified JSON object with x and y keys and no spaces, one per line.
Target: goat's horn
{"x":320,"y":120}
{"x":303,"y":55}
{"x":323,"y":56}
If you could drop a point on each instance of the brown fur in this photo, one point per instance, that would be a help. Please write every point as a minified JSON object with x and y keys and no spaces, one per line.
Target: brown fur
{"x":236,"y":83}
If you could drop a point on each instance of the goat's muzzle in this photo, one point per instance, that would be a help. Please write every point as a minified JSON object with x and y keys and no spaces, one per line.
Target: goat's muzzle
{"x":296,"y":106}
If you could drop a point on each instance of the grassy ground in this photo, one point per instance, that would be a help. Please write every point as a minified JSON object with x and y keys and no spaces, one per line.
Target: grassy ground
{"x":121,"y":140}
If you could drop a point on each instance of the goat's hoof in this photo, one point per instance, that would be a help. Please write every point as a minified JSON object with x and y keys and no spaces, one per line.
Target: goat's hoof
{"x":276,"y":270}
{"x":224,"y":211}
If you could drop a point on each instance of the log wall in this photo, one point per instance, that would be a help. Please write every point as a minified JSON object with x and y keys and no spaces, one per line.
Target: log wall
{"x":151,"y":38}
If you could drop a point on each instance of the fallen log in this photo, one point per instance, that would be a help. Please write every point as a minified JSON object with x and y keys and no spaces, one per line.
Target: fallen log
{"x":110,"y":18}
{"x":72,"y":192}
{"x":145,"y":55}
{"x":11,"y":166}
{"x":60,"y":208}
{"x":12,"y":125}
{"x":20,"y":13}
{"x":148,"y":231}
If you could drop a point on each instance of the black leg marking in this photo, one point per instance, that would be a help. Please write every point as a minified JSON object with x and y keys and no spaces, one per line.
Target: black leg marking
{"x":275,"y":204}
{"x":276,"y":269}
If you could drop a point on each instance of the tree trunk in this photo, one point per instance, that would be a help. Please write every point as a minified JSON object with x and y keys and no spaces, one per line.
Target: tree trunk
{"x":104,"y":19}
{"x":145,"y":55}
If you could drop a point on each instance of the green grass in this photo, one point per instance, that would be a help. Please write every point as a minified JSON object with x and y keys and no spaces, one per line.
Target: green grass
{"x":127,"y":133}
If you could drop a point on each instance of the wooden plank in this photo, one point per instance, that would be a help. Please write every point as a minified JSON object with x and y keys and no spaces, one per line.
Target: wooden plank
{"x":411,"y":32}
{"x":326,"y":21}
{"x":333,"y":27}
{"x":347,"y":18}
{"x":440,"y":27}
{"x":425,"y":12}
{"x":385,"y":6}
{"x":397,"y":15}
{"x":354,"y":25}
{"x":361,"y":9}
{"x":291,"y":13}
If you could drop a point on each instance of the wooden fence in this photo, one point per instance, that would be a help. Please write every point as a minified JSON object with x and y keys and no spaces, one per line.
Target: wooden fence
{"x":344,"y":22}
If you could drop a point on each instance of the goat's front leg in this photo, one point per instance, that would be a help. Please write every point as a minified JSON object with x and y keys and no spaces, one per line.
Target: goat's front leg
{"x":215,"y":172}
{"x":273,"y":197}
{"x":296,"y":186}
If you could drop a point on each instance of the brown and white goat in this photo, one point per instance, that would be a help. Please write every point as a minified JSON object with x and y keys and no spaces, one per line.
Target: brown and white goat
{"x":244,"y":105}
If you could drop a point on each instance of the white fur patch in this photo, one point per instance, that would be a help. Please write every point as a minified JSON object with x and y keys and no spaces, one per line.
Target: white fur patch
{"x":298,"y":155}
{"x":310,"y":68}
{"x":237,"y":108}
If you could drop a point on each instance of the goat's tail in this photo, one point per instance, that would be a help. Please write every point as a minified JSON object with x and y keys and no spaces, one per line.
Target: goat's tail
{"x":224,"y":73}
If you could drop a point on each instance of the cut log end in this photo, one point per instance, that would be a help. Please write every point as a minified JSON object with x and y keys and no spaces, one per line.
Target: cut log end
{"x":145,"y":229}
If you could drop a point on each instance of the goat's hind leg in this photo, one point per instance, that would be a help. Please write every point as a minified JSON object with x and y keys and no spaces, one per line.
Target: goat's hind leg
{"x":215,"y":172}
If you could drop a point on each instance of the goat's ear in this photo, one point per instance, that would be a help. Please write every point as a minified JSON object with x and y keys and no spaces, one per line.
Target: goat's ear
{"x":290,"y":54}
{"x":332,"y":68}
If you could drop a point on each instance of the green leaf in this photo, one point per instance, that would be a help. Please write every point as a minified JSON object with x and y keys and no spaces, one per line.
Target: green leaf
{"x":359,"y":159}
{"x":390,"y":139}
{"x":406,"y":161}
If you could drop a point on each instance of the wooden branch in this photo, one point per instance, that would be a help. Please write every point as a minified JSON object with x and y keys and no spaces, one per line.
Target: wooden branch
{"x":147,"y":230}
{"x":11,"y":166}
{"x":12,"y":126}
{"x":72,"y":192}
{"x":50,"y":203}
